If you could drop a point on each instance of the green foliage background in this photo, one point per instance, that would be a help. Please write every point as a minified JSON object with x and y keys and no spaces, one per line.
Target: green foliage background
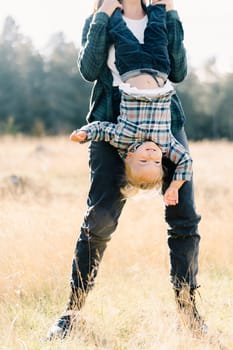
{"x":45,"y":94}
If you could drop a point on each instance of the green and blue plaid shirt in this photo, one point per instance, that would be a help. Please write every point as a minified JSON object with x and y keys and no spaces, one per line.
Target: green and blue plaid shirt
{"x":143,"y":120}
{"x":93,"y":67}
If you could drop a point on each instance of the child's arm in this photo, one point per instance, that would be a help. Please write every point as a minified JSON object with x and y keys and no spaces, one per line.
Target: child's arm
{"x":181,"y":157}
{"x":96,"y":131}
{"x":183,"y":172}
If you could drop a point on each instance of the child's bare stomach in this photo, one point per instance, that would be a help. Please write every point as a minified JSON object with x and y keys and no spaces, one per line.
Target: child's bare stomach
{"x":144,"y":81}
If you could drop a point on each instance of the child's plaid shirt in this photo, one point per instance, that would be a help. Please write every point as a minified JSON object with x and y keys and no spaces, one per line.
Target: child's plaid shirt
{"x":143,"y":119}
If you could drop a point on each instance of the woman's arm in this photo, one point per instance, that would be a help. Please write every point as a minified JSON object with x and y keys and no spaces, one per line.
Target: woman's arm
{"x":176,"y":49}
{"x":94,"y":51}
{"x":95,"y":44}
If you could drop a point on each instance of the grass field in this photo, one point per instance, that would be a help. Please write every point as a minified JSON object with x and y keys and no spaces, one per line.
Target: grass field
{"x":43,"y":188}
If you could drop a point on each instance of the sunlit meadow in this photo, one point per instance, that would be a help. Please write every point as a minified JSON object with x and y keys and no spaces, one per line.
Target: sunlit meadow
{"x":43,"y":189}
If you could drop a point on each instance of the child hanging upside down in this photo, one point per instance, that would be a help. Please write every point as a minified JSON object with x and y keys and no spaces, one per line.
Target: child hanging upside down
{"x":142,"y":134}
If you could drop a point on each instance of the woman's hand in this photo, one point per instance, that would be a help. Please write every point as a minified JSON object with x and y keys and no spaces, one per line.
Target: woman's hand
{"x":168,"y":3}
{"x":109,"y":6}
{"x":78,"y":136}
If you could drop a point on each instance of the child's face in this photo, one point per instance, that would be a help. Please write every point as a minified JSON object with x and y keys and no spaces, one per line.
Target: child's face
{"x":146,"y":160}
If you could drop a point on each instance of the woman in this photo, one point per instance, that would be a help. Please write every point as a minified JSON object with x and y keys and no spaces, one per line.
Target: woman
{"x":105,"y":202}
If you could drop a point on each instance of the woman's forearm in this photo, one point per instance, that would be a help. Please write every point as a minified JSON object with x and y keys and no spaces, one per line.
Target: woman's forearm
{"x":94,"y":50}
{"x":176,"y":49}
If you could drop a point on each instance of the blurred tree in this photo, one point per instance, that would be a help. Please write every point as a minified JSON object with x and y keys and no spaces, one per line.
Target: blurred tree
{"x":45,"y":93}
{"x":36,"y":90}
{"x":205,"y":100}
{"x":192,"y":97}
{"x":66,"y":92}
{"x":10,"y":85}
{"x":224,"y":110}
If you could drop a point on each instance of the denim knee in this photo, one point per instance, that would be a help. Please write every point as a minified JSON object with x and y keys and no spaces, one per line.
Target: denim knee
{"x":99,"y":223}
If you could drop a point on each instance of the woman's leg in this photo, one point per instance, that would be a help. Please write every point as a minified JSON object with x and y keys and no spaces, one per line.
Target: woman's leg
{"x":183,"y":235}
{"x":105,"y":204}
{"x":183,"y":242}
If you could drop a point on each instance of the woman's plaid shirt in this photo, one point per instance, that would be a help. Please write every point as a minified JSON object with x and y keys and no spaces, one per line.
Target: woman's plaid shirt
{"x":143,"y":119}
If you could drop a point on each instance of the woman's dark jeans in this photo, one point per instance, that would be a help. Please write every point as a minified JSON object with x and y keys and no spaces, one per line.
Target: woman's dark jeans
{"x":132,"y":57}
{"x":105,"y":204}
{"x":183,"y":235}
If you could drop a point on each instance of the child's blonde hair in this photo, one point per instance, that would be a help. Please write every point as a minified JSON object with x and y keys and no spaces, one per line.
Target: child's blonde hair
{"x":136,"y":181}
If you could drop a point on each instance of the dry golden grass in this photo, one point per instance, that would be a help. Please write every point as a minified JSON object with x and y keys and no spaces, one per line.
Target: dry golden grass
{"x":132,"y":305}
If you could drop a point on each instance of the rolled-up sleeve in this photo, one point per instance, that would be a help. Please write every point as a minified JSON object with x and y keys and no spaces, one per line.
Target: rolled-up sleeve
{"x":94,"y":49}
{"x":176,"y":49}
{"x":100,"y":131}
{"x":180,"y":156}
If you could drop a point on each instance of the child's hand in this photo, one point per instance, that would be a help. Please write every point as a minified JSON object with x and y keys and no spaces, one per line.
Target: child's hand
{"x":78,"y":136}
{"x":171,"y":196}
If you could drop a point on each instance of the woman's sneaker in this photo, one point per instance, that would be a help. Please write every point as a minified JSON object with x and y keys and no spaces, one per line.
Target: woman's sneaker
{"x":62,"y":327}
{"x":189,"y":315}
